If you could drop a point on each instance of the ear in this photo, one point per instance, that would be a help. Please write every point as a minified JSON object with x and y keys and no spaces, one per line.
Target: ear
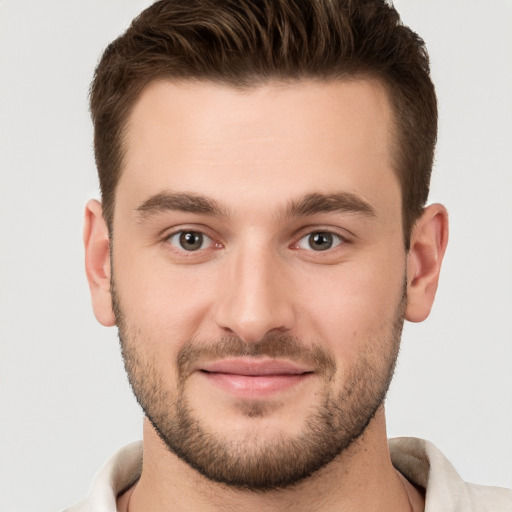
{"x":428,"y":244}
{"x":97,"y":262}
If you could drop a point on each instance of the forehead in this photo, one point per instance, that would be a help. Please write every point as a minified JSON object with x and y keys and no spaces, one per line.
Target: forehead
{"x":276,"y":138}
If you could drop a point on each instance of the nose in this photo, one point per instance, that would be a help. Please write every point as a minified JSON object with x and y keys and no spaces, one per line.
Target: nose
{"x":254,"y":298}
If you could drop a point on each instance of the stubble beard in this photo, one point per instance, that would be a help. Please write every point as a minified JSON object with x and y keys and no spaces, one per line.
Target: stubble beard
{"x":252,"y":462}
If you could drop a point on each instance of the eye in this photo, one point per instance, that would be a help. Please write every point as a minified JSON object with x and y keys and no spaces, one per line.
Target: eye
{"x":190,"y":240}
{"x":320,"y":241}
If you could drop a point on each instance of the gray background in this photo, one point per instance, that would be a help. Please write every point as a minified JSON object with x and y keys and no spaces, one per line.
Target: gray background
{"x":65,"y":404}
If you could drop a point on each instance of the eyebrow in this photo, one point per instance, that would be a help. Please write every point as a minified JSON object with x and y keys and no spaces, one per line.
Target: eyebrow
{"x":343,"y":202}
{"x":310,"y":204}
{"x":180,"y":202}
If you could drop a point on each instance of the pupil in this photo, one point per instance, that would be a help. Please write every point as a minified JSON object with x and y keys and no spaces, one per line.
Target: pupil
{"x":320,"y":241}
{"x":191,"y":241}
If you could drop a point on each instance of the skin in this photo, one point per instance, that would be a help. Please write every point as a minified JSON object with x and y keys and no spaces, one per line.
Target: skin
{"x":254,"y":152}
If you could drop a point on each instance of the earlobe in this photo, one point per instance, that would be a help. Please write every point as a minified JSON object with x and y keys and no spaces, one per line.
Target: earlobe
{"x":428,"y":245}
{"x":97,"y":262}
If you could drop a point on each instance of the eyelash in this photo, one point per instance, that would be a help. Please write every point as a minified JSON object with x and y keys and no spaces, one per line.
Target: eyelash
{"x":179,"y":237}
{"x":335,"y":239}
{"x":199,"y":237}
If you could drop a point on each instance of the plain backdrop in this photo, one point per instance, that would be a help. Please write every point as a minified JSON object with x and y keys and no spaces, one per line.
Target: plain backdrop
{"x":65,"y":401}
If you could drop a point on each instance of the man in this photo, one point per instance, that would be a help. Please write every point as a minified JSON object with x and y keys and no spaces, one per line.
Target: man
{"x":262,"y":236}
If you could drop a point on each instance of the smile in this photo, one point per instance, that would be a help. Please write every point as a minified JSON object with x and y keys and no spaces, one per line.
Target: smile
{"x":250,"y":378}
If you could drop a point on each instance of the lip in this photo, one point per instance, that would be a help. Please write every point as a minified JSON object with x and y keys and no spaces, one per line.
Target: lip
{"x":255,"y":367}
{"x":254,"y":378}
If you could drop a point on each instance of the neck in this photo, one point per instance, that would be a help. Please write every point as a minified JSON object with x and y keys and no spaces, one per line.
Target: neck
{"x":361,"y":479}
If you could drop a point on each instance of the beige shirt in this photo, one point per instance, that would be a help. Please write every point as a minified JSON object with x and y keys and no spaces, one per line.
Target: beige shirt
{"x":418,"y":460}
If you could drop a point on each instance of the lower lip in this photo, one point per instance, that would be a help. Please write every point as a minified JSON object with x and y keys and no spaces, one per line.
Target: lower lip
{"x":255,"y":386}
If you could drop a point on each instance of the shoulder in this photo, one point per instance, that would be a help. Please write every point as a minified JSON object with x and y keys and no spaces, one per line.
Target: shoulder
{"x":426,"y":466}
{"x":121,"y":471}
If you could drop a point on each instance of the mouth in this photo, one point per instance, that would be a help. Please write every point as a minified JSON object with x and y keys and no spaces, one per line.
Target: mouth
{"x":254,"y":378}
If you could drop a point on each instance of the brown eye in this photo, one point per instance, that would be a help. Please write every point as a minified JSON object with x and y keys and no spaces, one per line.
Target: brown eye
{"x":190,"y":240}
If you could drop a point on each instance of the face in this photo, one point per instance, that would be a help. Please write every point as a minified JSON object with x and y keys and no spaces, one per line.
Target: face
{"x":258,"y":272}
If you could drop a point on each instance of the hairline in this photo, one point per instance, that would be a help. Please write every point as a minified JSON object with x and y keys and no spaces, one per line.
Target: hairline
{"x":250,"y":83}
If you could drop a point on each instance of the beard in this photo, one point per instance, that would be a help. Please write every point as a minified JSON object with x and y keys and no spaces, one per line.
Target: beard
{"x":251,"y":461}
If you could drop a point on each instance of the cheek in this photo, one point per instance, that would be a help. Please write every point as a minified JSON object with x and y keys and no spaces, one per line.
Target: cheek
{"x":167,"y":303}
{"x":353,"y":304}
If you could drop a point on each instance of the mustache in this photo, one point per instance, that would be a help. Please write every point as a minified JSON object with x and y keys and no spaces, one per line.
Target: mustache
{"x":272,"y":346}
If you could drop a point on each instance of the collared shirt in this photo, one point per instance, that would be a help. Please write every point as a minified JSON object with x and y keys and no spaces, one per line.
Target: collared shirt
{"x":418,"y":460}
{"x":445,"y":491}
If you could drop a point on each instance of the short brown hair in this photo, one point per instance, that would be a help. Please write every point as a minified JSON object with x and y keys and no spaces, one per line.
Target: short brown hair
{"x":248,"y":42}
